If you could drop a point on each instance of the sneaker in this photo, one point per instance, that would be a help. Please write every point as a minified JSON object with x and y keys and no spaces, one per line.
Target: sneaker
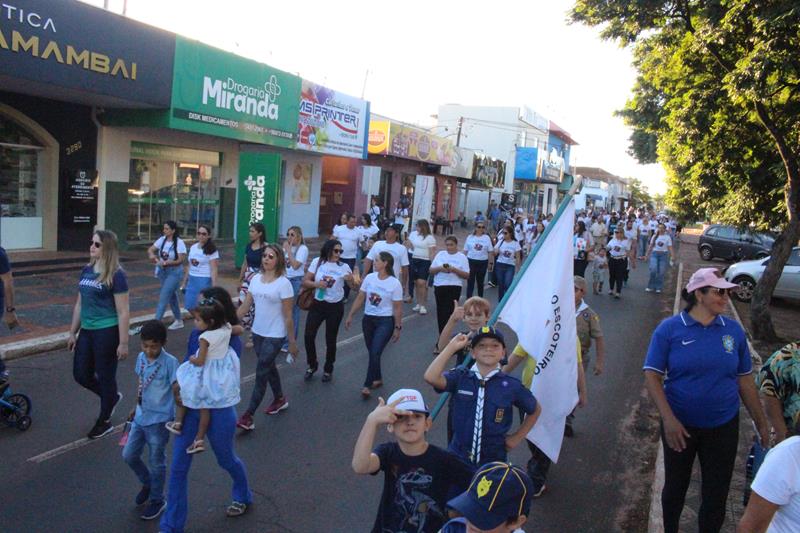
{"x":309,"y":374}
{"x":153,"y":510}
{"x":277,"y":406}
{"x":415,"y":308}
{"x":143,"y":495}
{"x":100,"y":429}
{"x":617,"y":296}
{"x":119,"y":399}
{"x":648,"y":289}
{"x":178,"y":324}
{"x":246,"y":422}
{"x":326,"y":377}
{"x":658,"y":291}
{"x":422,"y":310}
{"x":539,"y":492}
{"x":491,"y":284}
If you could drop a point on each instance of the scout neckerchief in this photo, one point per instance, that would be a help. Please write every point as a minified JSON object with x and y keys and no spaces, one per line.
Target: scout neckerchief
{"x":148,"y":381}
{"x":581,"y":308}
{"x":477,"y":430}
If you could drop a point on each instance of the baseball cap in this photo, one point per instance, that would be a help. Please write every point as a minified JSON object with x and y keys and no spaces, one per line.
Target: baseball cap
{"x":410,"y":400}
{"x":708,"y":277}
{"x":490,"y":332}
{"x":497,"y":492}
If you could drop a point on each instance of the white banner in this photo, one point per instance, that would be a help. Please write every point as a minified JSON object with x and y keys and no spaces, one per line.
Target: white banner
{"x":423,"y":198}
{"x":541,"y":311}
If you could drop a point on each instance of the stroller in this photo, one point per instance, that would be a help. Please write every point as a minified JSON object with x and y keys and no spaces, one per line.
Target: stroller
{"x":14,"y":408}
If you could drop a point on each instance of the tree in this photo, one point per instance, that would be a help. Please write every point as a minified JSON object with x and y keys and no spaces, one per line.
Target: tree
{"x":637,"y":192}
{"x":717,"y":100}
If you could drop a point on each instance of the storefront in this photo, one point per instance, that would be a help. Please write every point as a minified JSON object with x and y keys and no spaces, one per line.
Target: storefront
{"x":57,"y":66}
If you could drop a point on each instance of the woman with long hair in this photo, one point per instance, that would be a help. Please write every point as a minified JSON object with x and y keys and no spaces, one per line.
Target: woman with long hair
{"x":296,"y":254}
{"x":273,"y":297}
{"x":507,"y":260}
{"x":326,"y":275}
{"x":696,"y":370}
{"x":658,"y":256}
{"x":581,"y":244}
{"x":618,"y":251}
{"x":369,"y":234}
{"x":98,"y":333}
{"x":254,"y":250}
{"x":203,"y":266}
{"x":168,"y":254}
{"x":477,"y":248}
{"x":449,"y":268}
{"x":382,"y":296}
{"x":423,"y":245}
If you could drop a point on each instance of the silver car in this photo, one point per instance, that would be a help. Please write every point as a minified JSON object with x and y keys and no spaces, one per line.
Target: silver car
{"x":747,"y":273}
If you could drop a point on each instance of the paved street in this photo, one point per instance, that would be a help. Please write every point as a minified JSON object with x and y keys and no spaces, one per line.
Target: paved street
{"x":299,"y":461}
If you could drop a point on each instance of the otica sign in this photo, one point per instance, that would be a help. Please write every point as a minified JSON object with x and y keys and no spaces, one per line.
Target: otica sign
{"x":218,"y":93}
{"x":69,"y":44}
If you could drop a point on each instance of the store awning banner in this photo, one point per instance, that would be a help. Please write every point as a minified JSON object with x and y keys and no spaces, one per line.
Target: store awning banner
{"x":423,"y":197}
{"x":332,"y":123}
{"x":526,"y":162}
{"x":488,"y":172}
{"x":461,"y":166}
{"x":218,"y":93}
{"x":378,"y":137}
{"x":407,"y":142}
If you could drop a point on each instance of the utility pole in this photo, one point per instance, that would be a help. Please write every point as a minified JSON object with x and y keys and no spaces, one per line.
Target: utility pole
{"x":458,"y":132}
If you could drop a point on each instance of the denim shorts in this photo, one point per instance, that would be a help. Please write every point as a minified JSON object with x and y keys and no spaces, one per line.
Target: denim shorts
{"x":420,"y":268}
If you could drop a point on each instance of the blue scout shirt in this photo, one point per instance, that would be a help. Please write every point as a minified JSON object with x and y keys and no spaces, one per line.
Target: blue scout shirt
{"x":98,"y":309}
{"x":702,"y":366}
{"x":155,"y":379}
{"x":480,"y":434}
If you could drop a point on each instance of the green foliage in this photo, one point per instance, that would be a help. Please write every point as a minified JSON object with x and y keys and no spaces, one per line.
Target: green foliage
{"x":717,"y":100}
{"x":637,"y":192}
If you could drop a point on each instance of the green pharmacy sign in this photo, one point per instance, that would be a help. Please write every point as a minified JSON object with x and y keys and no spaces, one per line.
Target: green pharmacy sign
{"x":257,"y":197}
{"x":222,"y":94}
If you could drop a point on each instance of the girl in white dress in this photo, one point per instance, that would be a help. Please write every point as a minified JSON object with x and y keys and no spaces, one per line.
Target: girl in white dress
{"x":210,"y":378}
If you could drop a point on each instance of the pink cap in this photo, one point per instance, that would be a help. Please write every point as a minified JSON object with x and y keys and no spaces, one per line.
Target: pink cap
{"x":708,"y":277}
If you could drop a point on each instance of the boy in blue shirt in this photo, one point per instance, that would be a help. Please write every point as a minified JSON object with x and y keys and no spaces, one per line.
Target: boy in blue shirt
{"x":485,"y":397}
{"x":155,"y":406}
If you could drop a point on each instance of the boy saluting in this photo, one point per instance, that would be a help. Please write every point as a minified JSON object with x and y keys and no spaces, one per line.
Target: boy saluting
{"x":417,"y":476}
{"x":484,"y":398}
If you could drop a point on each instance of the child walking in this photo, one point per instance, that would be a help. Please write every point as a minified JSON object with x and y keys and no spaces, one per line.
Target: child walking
{"x":210,"y":378}
{"x":599,"y":271}
{"x":156,"y":371}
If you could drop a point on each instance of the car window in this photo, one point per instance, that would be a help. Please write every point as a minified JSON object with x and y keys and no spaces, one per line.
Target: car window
{"x":794,"y":259}
{"x":727,"y":232}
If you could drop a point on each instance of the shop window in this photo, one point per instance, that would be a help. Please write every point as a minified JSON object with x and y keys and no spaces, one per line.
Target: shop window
{"x":185,"y":192}
{"x":20,"y":194}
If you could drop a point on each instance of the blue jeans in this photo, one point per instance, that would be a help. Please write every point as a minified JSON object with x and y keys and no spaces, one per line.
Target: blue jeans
{"x":658,"y":267}
{"x":643,"y":241}
{"x":221,"y":431}
{"x":156,"y":437}
{"x":505,"y":275}
{"x":267,"y":350}
{"x":296,"y":283}
{"x":170,"y":281}
{"x":94,"y":365}
{"x":377,"y":332}
{"x":194,"y":286}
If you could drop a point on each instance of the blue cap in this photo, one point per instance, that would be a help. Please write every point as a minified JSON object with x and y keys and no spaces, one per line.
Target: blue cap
{"x":498,"y":491}
{"x":490,"y":332}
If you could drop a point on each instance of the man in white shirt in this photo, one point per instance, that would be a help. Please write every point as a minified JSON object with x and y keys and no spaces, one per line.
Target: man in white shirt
{"x":350,"y":237}
{"x":774,"y":505}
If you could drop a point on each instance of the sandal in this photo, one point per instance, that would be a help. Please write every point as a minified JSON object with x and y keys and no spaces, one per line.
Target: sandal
{"x":378,"y":383}
{"x":174,"y":427}
{"x":196,"y":447}
{"x":236,"y":509}
{"x":365,"y":393}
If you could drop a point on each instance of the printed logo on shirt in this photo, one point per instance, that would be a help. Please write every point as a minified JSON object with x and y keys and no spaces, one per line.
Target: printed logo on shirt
{"x":90,"y":283}
{"x":660,"y":244}
{"x":478,"y":247}
{"x":507,"y":253}
{"x":616,"y":248}
{"x":194,"y":262}
{"x":686,"y":343}
{"x":375,"y":299}
{"x":165,"y":255}
{"x":728,"y":343}
{"x":498,"y":416}
{"x":329,"y":281}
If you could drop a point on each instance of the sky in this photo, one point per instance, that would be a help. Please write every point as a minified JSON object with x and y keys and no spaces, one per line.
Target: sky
{"x":409,"y":57}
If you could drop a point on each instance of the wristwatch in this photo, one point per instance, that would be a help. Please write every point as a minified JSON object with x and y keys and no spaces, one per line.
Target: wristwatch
{"x":10,"y":309}
{"x":398,"y":327}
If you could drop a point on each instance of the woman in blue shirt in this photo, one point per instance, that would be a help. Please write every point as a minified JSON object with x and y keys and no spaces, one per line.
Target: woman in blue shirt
{"x":697,"y":367}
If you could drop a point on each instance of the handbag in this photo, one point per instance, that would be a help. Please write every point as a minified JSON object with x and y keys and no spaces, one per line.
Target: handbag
{"x":305,"y":298}
{"x":754,"y":460}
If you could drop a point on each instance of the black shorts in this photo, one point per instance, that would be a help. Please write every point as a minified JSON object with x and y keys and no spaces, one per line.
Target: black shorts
{"x":420,"y":268}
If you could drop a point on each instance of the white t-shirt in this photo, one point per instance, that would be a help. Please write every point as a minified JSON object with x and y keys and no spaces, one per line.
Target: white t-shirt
{"x":457,"y":260}
{"x":380,"y":294}
{"x":519,"y":231}
{"x":166,"y":253}
{"x":368,"y":233}
{"x":400,"y":215}
{"x":349,"y":239}
{"x":661,"y":243}
{"x":268,"y":298}
{"x":301,"y":255}
{"x":422,"y":245}
{"x":398,"y":251}
{"x":200,"y":263}
{"x":506,"y":252}
{"x":217,"y":340}
{"x":374,"y":214}
{"x":579,"y":244}
{"x":778,"y":482}
{"x":478,"y":248}
{"x":618,"y":248}
{"x":630,"y":234}
{"x":644,"y":227}
{"x":333,"y":274}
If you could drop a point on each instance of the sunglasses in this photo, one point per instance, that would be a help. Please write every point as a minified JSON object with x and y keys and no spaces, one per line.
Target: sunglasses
{"x":480,"y":227}
{"x":337,"y":250}
{"x":95,"y":243}
{"x":719,"y":292}
{"x":269,"y":256}
{"x":202,"y":233}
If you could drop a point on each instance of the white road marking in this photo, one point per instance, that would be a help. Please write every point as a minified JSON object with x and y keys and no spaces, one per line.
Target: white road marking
{"x":80,"y":443}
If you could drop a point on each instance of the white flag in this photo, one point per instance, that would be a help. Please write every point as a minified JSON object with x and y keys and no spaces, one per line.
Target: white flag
{"x":541,"y":311}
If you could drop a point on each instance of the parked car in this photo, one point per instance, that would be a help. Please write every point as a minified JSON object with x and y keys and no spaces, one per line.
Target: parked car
{"x":734,"y":244}
{"x":747,"y":273}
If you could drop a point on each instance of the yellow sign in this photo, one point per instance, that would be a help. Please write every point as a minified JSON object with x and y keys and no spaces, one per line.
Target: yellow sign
{"x":378,"y":142}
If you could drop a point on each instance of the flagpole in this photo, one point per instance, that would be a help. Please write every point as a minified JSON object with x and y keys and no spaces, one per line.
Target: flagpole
{"x":501,"y":304}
